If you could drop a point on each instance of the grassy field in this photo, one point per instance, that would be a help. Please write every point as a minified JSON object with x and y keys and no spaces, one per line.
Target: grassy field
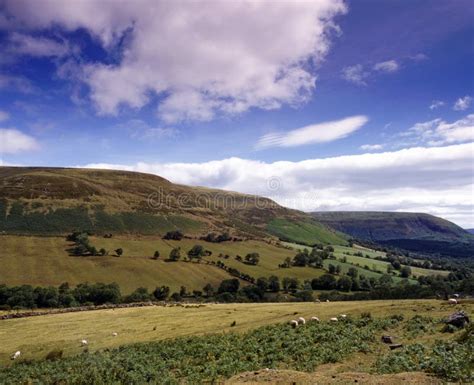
{"x":36,"y":336}
{"x":45,"y":261}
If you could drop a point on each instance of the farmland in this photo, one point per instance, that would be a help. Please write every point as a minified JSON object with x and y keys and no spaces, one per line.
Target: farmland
{"x":37,"y":336}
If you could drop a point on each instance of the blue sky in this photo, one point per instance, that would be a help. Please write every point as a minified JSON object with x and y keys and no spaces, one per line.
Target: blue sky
{"x":355,"y":105}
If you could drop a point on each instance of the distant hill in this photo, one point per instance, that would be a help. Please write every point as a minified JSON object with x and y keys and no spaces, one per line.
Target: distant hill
{"x":410,"y":231}
{"x":471,"y":231}
{"x":55,"y":201}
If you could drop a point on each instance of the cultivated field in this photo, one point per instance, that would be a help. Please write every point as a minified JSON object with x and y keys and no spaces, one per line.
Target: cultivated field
{"x":35,"y":337}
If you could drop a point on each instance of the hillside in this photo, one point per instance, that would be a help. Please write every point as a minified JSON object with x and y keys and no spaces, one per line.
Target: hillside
{"x":56,"y":201}
{"x":411,"y":231}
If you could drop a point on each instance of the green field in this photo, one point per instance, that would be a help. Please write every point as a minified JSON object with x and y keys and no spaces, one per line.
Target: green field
{"x":305,"y":232}
{"x":36,"y":336}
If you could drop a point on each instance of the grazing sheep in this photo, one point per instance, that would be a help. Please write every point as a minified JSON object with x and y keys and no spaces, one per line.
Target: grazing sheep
{"x":16,"y":355}
{"x":452,"y":301}
{"x":114,"y":334}
{"x":84,"y":342}
{"x":294,"y":323}
{"x":301,"y":321}
{"x":333,"y":319}
{"x":327,"y":300}
{"x":343,"y":316}
{"x":315,"y":319}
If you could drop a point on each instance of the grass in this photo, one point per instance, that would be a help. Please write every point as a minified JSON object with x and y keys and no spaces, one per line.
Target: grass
{"x":305,"y":232}
{"x":35,"y":337}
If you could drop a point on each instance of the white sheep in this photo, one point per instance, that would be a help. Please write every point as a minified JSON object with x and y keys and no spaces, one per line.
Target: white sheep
{"x":84,"y":342}
{"x":343,"y":316}
{"x":315,"y":319}
{"x":301,"y":321}
{"x":16,"y":355}
{"x":452,"y":301}
{"x":333,"y":319}
{"x":114,"y":334}
{"x":294,"y":323}
{"x":327,"y":300}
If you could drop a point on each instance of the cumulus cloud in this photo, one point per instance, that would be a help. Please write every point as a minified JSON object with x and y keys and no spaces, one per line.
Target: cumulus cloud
{"x":462,"y":103}
{"x":371,"y":147}
{"x":359,"y":74}
{"x":355,"y":74}
{"x":436,"y":132}
{"x":314,"y":133}
{"x":14,"y":141}
{"x":434,"y":179}
{"x":200,"y":60}
{"x":36,"y":46}
{"x":436,"y":104}
{"x":4,"y":116}
{"x":387,"y":66}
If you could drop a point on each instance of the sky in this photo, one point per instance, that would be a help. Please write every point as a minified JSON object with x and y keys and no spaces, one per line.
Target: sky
{"x":319,"y":105}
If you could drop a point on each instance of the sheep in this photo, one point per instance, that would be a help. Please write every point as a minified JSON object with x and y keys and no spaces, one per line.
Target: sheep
{"x":301,"y":321}
{"x":452,"y":301}
{"x":343,"y":316}
{"x":294,"y":323}
{"x":327,"y":300}
{"x":84,"y":343}
{"x":114,"y":334}
{"x":315,"y":319}
{"x":333,"y":319}
{"x":16,"y":355}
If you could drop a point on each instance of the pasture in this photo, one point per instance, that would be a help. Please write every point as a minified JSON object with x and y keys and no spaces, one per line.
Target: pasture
{"x":195,"y":344}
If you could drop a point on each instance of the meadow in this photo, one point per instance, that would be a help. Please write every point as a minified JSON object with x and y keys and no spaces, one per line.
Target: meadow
{"x":200,"y":343}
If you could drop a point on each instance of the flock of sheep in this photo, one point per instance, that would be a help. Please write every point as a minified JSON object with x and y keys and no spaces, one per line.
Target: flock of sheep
{"x":301,"y":321}
{"x":84,"y":343}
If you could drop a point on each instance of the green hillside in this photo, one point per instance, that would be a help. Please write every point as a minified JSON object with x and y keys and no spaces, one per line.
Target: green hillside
{"x":56,"y":201}
{"x":417,"y":232}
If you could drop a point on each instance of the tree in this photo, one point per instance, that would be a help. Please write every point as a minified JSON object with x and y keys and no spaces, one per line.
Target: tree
{"x":338,"y":269}
{"x":274,"y":284}
{"x":197,"y":251}
{"x":344,"y":283}
{"x":175,"y":254}
{"x":102,"y":252}
{"x":332,"y":269}
{"x":208,"y":289}
{"x":119,"y":251}
{"x":175,"y":235}
{"x":325,"y":282}
{"x":352,"y":272}
{"x":252,"y":258}
{"x":390,"y":269}
{"x":139,"y":295}
{"x":156,"y":255}
{"x":405,"y":271}
{"x":182,"y":291}
{"x":262,"y":283}
{"x":301,"y":258}
{"x":161,"y":293}
{"x":396,"y":264}
{"x":229,"y":286}
{"x":290,"y":283}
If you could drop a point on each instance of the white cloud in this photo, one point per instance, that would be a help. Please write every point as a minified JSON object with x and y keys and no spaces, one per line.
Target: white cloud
{"x":4,"y":116}
{"x":139,"y":129}
{"x":314,"y":133}
{"x":355,"y":74}
{"x":462,"y":103}
{"x":436,"y":132}
{"x":13,"y":141}
{"x":371,"y":147}
{"x":36,"y":46}
{"x":17,"y":83}
{"x":436,"y":104}
{"x":387,"y":66}
{"x":435,"y":179}
{"x":202,"y":60}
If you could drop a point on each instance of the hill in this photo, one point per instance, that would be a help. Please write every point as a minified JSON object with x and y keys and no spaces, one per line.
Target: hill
{"x":56,"y":201}
{"x":471,"y":231}
{"x":410,"y":231}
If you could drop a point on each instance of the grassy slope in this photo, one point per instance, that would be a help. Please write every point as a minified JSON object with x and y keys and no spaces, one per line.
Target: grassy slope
{"x":57,"y":201}
{"x":36,"y":336}
{"x":45,"y":261}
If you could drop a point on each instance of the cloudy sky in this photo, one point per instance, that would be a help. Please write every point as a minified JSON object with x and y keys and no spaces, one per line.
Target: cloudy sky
{"x":320,"y":105}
